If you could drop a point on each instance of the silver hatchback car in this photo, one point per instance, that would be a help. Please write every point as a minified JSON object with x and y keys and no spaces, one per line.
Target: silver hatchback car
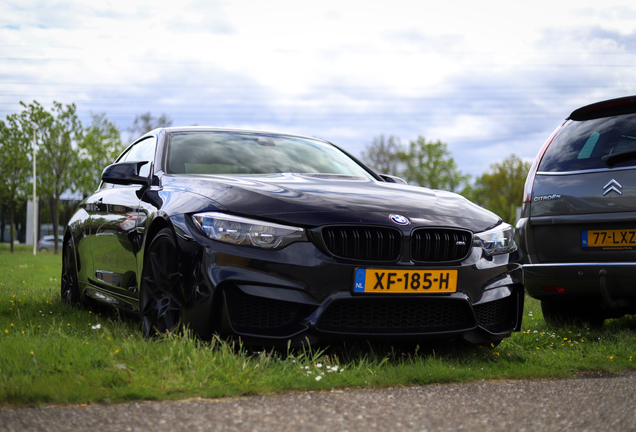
{"x":578,"y":225}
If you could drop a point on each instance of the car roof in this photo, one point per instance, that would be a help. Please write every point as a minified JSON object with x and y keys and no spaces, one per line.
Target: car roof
{"x":173,"y":129}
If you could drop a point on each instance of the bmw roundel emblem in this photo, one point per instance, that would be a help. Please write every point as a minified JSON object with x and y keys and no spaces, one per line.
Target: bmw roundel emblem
{"x":399,"y":219}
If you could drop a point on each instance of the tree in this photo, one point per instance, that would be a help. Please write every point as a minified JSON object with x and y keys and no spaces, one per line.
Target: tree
{"x":430,"y":164}
{"x":58,"y":133}
{"x":146,"y":122}
{"x":15,"y":167}
{"x":501,"y":189}
{"x":383,"y":155}
{"x":99,"y":148}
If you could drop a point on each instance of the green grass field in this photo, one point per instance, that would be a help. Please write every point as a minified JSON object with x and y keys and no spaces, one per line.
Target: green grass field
{"x":53,"y":353}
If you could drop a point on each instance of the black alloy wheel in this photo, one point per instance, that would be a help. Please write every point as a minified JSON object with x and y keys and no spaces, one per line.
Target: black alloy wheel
{"x":69,"y":286}
{"x":160,"y":298}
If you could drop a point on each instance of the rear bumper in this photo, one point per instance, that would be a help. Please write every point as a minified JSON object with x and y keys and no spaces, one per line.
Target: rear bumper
{"x":553,"y":281}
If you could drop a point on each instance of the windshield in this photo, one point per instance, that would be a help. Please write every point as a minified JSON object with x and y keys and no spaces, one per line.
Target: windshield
{"x":208,"y":152}
{"x":585,"y":145}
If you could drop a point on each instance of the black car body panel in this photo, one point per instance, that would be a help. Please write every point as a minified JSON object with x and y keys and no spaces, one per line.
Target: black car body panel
{"x":576,"y":193}
{"x":311,"y":200}
{"x":302,"y":291}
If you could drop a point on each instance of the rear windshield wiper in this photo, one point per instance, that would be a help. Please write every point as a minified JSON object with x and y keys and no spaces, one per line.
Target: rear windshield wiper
{"x":613,"y":159}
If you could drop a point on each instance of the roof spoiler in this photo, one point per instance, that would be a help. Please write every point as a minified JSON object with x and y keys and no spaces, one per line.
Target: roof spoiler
{"x":608,"y":108}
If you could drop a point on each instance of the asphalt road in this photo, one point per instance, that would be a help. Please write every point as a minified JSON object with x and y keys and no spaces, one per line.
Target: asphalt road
{"x":587,"y":403}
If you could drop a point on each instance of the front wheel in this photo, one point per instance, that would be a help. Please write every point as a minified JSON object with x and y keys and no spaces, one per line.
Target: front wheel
{"x":68,"y":282}
{"x":160,"y":297}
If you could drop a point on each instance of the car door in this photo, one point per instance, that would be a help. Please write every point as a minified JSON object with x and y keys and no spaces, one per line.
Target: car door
{"x":114,"y":221}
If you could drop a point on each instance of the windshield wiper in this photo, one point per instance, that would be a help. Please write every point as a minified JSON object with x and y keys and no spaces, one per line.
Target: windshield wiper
{"x":613,"y":159}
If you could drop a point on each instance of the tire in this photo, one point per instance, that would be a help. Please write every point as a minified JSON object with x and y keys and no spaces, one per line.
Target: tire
{"x":69,"y":286}
{"x":160,"y":296}
{"x":557,"y":314}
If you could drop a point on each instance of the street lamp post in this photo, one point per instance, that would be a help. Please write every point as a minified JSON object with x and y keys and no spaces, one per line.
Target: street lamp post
{"x":35,"y":213}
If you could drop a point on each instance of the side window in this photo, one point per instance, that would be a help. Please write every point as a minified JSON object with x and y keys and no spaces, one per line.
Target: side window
{"x":141,"y":151}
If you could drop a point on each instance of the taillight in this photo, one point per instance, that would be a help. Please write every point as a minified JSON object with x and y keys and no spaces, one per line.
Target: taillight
{"x":527,"y":189}
{"x":553,"y":288}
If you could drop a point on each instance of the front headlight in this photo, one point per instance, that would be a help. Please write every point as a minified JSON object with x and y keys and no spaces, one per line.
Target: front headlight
{"x":243,"y":231}
{"x":496,"y":241}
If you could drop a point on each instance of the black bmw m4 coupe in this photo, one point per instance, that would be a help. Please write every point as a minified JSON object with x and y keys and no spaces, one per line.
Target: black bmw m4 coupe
{"x":279,"y":238}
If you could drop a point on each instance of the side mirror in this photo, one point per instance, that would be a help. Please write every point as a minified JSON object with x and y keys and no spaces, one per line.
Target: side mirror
{"x":393,"y":179}
{"x":125,"y":173}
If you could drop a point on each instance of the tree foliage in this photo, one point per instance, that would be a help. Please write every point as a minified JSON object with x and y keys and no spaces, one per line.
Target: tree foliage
{"x":57,"y":134}
{"x":67,"y":158}
{"x":501,"y":189}
{"x":146,"y":122}
{"x":431,"y":165}
{"x":99,"y":148}
{"x":427,"y":164}
{"x":383,"y":155}
{"x":15,"y":167}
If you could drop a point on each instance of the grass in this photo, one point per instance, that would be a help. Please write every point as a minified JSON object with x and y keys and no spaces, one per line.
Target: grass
{"x":52,"y":353}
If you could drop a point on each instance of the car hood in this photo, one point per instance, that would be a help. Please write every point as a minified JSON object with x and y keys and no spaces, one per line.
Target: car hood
{"x":312,"y":200}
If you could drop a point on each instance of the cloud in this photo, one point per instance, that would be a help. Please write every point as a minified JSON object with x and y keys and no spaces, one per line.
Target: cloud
{"x":488,"y":84}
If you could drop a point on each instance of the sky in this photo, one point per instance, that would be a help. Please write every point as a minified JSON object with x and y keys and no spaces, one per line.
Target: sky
{"x":488,"y":78}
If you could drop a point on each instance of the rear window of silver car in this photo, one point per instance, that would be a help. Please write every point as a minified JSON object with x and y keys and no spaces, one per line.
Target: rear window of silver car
{"x":581,"y":145}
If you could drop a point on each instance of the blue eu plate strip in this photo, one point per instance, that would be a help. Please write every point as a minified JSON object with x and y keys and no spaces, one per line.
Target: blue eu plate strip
{"x":361,"y":276}
{"x":584,"y":238}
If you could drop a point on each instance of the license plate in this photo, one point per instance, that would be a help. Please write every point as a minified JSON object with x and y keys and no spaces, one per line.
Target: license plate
{"x":383,"y":281}
{"x":609,"y":239}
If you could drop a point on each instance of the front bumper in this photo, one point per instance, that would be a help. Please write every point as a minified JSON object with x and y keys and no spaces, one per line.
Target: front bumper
{"x":300,"y":293}
{"x":347,"y":316}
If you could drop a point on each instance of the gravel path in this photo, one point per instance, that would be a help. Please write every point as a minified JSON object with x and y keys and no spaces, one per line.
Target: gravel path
{"x":588,"y":403}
